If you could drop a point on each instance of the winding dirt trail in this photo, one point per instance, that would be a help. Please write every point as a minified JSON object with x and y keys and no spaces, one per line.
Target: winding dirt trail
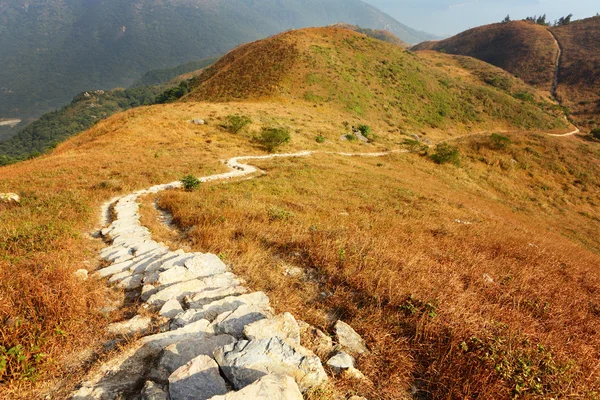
{"x":559,"y":52}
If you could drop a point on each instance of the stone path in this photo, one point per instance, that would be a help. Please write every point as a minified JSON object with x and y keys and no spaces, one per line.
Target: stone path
{"x":217,"y":339}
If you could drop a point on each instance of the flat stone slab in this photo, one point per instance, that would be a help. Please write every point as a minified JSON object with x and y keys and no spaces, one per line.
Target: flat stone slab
{"x":233,"y":323}
{"x":230,"y":303}
{"x":200,"y":299}
{"x":196,"y":330}
{"x":180,"y":290}
{"x":247,"y":361}
{"x":134,"y":326}
{"x":170,"y":309}
{"x":269,"y":387}
{"x":199,"y":379}
{"x":283,"y":326}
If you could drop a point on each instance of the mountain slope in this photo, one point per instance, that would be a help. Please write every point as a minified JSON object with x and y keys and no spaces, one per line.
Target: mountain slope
{"x":526,"y":50}
{"x":529,"y":51}
{"x":369,"y":78}
{"x":579,"y":73}
{"x":53,"y":49}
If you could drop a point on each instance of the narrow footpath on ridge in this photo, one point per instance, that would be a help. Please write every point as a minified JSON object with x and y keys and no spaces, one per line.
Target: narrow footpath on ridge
{"x":202,"y":334}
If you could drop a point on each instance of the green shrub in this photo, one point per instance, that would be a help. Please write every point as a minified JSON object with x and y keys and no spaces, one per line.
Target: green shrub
{"x":351,"y":137}
{"x":596,"y":133}
{"x":320,"y":139}
{"x":525,"y":96}
{"x":499,"y":142}
{"x":364,"y":129}
{"x":190,"y":182}
{"x":271,"y":138}
{"x":235,"y":123}
{"x":445,"y":153}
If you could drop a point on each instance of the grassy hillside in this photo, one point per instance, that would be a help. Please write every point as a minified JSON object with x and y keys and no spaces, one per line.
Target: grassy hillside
{"x":375,"y":33}
{"x":371,"y":79}
{"x":528,"y":51}
{"x":579,"y":78}
{"x":524,"y":49}
{"x":450,"y":309}
{"x":51,"y":49}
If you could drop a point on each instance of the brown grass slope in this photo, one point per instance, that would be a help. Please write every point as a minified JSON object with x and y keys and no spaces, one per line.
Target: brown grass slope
{"x":528,"y":51}
{"x":524,"y":49}
{"x":384,"y":35}
{"x":579,"y":78}
{"x":374,"y":80}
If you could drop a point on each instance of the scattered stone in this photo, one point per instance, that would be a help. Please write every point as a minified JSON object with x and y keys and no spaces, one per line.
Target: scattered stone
{"x":340,"y":361}
{"x":269,"y":387}
{"x":315,"y":339}
{"x":247,"y":361}
{"x":283,"y":326}
{"x":170,"y":309}
{"x":357,"y":398}
{"x":353,"y":373}
{"x":178,"y":354}
{"x":153,"y":391}
{"x":198,"y":121}
{"x":349,"y":339}
{"x":134,"y":326}
{"x":9,"y":198}
{"x":199,"y":379}
{"x":81,"y":274}
{"x":293,"y":272}
{"x":488,"y":280}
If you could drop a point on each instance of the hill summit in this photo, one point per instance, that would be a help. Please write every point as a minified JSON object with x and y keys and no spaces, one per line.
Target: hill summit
{"x":51,"y":49}
{"x":372,"y":79}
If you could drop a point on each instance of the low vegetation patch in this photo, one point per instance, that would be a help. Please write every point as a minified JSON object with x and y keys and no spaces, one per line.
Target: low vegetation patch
{"x":236,"y":123}
{"x":271,"y":138}
{"x":596,"y":133}
{"x":190,"y":183}
{"x":446,"y":153}
{"x":499,"y":142}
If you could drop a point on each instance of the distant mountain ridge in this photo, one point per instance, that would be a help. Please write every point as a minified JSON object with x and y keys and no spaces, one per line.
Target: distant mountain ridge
{"x":529,"y":51}
{"x":53,"y":49}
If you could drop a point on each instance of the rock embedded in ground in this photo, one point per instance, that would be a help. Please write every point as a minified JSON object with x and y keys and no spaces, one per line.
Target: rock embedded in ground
{"x":340,"y":361}
{"x":202,"y":298}
{"x":227,"y":304}
{"x":9,"y":198}
{"x":81,"y":274}
{"x":246,"y":361}
{"x":154,"y":391}
{"x":233,"y":323}
{"x":170,"y":309}
{"x":283,"y":326}
{"x":178,"y":354}
{"x":349,"y":339}
{"x":269,"y":387}
{"x":134,"y":326}
{"x":199,"y":379}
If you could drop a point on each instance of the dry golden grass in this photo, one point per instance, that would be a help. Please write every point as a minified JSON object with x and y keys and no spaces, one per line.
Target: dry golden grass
{"x":44,"y":309}
{"x":504,"y":306}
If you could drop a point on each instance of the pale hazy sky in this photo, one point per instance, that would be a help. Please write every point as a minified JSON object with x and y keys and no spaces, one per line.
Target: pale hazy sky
{"x":448,"y":17}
